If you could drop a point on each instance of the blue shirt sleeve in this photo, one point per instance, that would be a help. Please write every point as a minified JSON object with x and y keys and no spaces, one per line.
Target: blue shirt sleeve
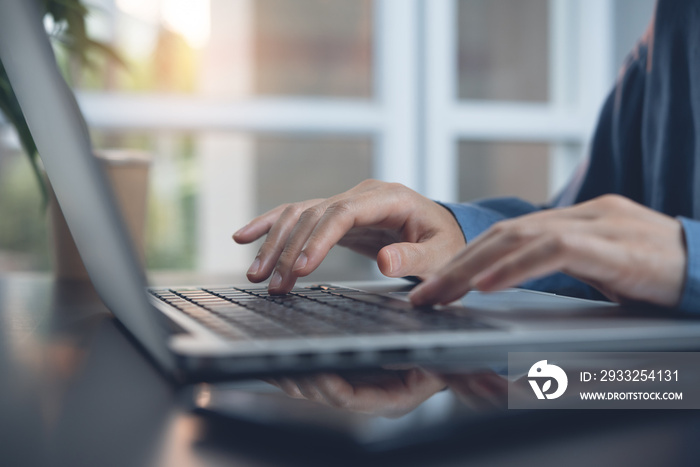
{"x":690,"y":297}
{"x":476,"y":217}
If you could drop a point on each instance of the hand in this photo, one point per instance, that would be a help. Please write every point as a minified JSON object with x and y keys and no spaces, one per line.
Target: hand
{"x":407,"y":233}
{"x":394,"y":393}
{"x":480,"y":391}
{"x":387,"y":393}
{"x":625,"y":250}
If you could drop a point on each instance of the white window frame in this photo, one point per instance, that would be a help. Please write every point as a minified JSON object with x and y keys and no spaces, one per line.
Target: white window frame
{"x":566,"y":121}
{"x":414,"y":116}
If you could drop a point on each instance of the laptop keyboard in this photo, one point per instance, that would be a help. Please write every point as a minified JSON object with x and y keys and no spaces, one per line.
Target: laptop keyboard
{"x":317,"y":311}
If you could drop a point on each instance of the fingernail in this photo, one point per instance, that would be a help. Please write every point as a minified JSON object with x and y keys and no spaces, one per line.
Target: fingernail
{"x":417,"y":295}
{"x":300,"y":262}
{"x":276,"y":280}
{"x":394,"y":261}
{"x":240,"y":231}
{"x":418,"y":301}
{"x":253,"y":270}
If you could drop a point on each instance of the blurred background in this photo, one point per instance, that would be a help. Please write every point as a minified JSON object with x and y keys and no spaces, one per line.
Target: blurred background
{"x":247,"y":104}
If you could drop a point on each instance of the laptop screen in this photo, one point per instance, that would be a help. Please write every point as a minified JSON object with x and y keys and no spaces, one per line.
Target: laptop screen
{"x":82,"y":189}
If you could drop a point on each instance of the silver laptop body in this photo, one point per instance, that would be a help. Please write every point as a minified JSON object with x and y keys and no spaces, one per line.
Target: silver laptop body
{"x":498,"y":323}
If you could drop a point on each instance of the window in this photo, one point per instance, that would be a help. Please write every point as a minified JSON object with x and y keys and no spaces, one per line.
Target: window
{"x":241,"y":100}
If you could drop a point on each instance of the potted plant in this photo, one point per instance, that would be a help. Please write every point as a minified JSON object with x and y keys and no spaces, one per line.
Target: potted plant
{"x":69,"y":32}
{"x":126,"y":170}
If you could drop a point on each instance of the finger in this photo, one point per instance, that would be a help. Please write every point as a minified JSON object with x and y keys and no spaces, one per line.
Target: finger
{"x":587,"y":258}
{"x":391,"y":394}
{"x":461,"y":386}
{"x":274,"y":243}
{"x":258,"y":227}
{"x":536,"y":259}
{"x":492,"y":389}
{"x":272,"y":382}
{"x":322,"y":228}
{"x":339,"y":215}
{"x":291,"y":258}
{"x":309,"y":390}
{"x":344,"y":213}
{"x":337,"y":390}
{"x":453,"y":281}
{"x":470,"y":389}
{"x":380,"y":394}
{"x":364,"y":205}
{"x":424,"y":381}
{"x":457,"y":278}
{"x":290,"y":388}
{"x":484,"y":397}
{"x":369,"y":241}
{"x":412,"y":259}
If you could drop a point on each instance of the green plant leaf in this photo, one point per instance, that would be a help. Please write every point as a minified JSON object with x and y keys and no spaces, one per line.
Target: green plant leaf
{"x":11,"y":109}
{"x":71,"y":33}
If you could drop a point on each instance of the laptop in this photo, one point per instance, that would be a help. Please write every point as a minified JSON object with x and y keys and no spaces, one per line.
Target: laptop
{"x":224,"y":332}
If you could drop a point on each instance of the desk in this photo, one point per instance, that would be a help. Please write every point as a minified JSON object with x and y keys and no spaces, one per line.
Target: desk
{"x":74,"y":391}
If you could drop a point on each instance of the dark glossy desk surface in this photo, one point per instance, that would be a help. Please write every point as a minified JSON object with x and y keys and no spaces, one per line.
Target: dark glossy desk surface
{"x":74,"y":391}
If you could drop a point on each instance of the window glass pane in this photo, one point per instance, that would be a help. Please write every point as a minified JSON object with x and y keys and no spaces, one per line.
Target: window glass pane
{"x":313,"y":47}
{"x":503,"y":51}
{"x":503,"y":169}
{"x":295,"y":168}
{"x":631,"y":20}
{"x":233,"y":48}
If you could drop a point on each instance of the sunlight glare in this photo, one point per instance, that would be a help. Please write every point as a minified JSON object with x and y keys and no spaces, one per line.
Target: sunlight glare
{"x":190,"y":18}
